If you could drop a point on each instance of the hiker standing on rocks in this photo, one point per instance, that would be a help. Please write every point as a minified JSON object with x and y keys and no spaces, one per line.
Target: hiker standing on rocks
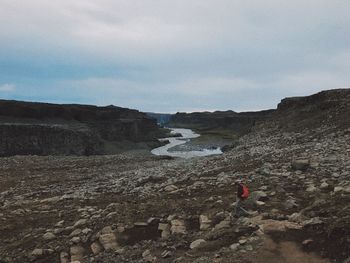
{"x":242,"y":194}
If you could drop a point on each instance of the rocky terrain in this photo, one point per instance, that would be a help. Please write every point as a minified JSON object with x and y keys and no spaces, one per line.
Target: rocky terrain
{"x":133,"y":208}
{"x":52,"y":129}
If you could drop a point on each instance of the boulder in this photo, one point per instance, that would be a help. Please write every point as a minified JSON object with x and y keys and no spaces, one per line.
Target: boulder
{"x":80,"y":222}
{"x":96,"y":248}
{"x":204,"y":222}
{"x":234,"y":246}
{"x":311,"y":189}
{"x":338,"y":189}
{"x":77,"y":253}
{"x":242,"y":241}
{"x":39,"y":252}
{"x":106,"y":230}
{"x":300,"y":164}
{"x":64,"y":257}
{"x":75,"y":233}
{"x":109,"y":241}
{"x":86,"y":231}
{"x":197,"y":243}
{"x":148,"y":257}
{"x":76,"y":240}
{"x":170,"y":188}
{"x":347,"y":189}
{"x":178,"y":226}
{"x":290,"y":203}
{"x":296,"y":217}
{"x":165,"y":228}
{"x":49,"y":236}
{"x":226,"y":223}
{"x":271,"y":225}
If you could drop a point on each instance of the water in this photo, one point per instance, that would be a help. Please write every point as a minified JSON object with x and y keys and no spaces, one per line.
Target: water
{"x":187,"y":135}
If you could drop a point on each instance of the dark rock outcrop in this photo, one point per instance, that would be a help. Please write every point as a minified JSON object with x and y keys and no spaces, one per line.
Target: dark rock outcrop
{"x":330,"y":107}
{"x":52,"y":129}
{"x":239,"y":123}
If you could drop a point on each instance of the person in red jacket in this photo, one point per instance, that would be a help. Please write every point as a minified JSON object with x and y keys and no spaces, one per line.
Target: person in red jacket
{"x":242,"y":194}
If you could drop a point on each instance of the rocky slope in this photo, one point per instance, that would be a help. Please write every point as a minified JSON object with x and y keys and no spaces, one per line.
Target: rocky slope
{"x":292,"y":113}
{"x":52,"y":129}
{"x":127,"y":208}
{"x":331,"y":107}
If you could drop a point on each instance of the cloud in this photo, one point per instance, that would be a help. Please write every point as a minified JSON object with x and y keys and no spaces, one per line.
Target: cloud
{"x":7,"y":87}
{"x":173,"y":56}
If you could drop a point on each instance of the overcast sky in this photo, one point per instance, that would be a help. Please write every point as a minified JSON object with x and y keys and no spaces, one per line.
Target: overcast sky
{"x":169,"y":56}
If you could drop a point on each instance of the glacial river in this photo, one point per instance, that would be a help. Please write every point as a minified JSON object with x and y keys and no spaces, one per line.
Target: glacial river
{"x":187,"y":135}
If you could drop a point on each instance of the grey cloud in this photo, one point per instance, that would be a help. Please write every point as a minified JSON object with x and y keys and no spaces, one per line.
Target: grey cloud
{"x":174,"y":56}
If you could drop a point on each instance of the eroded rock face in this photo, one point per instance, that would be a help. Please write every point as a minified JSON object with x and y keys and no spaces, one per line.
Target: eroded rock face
{"x":239,"y":123}
{"x":46,"y":139}
{"x":324,"y":108}
{"x":52,"y":129}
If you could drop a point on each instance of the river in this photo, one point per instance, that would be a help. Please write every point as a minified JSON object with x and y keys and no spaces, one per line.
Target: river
{"x":186,"y":136}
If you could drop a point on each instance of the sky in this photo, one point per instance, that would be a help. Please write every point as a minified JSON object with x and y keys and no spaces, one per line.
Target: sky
{"x":169,"y":56}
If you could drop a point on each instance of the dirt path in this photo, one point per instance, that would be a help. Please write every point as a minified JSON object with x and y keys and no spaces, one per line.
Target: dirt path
{"x":286,"y":252}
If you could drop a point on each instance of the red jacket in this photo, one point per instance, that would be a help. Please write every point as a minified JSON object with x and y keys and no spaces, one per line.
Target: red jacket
{"x":242,"y":191}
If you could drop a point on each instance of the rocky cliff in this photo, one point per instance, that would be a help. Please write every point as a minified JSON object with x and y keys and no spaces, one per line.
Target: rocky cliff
{"x":332,"y":107}
{"x":239,"y":123}
{"x":52,"y":129}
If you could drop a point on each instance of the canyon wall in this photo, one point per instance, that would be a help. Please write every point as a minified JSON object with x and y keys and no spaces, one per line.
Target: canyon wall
{"x":45,"y":129}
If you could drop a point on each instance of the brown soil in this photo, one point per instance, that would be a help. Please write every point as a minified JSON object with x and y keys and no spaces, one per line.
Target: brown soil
{"x":284,"y":252}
